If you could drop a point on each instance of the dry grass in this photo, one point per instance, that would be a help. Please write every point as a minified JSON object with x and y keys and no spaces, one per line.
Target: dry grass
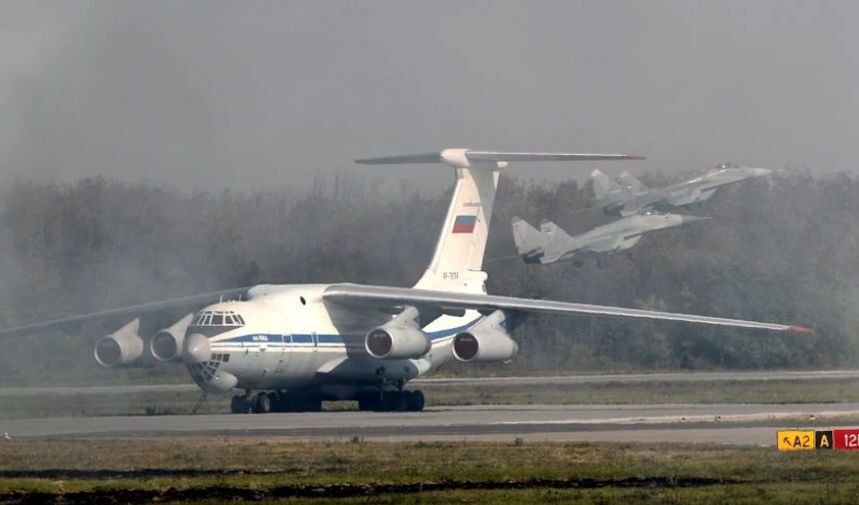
{"x":753,"y":475}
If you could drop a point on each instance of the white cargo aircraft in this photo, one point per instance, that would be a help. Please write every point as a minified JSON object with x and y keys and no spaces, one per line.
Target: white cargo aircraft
{"x":295,"y":345}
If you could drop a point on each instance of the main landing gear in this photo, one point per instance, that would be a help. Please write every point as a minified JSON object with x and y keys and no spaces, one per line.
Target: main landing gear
{"x":392,"y":401}
{"x":278,"y":401}
{"x":274,"y":401}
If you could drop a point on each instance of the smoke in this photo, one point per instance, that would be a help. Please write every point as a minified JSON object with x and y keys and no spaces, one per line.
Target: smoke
{"x":152,"y":150}
{"x":783,"y":251}
{"x":271,"y":95}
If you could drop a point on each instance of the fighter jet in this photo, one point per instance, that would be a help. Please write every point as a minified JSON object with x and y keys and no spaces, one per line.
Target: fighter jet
{"x":551,"y":243}
{"x":628,"y":195}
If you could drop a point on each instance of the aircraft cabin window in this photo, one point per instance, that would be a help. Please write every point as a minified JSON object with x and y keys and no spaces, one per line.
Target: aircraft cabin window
{"x":218,"y":319}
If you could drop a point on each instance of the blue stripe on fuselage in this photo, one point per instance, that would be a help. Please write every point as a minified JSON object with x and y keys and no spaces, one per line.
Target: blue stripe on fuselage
{"x":333,"y":338}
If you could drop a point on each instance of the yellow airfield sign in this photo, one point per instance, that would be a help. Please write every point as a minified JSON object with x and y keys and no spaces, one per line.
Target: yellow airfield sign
{"x":796,"y":440}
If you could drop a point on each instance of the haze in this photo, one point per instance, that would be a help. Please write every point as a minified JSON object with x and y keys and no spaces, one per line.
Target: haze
{"x":249,"y":95}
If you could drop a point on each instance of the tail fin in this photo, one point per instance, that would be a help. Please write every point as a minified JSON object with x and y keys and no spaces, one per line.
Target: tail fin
{"x":528,"y":239}
{"x":553,"y":233}
{"x":631,"y":183}
{"x":603,"y":185}
{"x":457,"y":262}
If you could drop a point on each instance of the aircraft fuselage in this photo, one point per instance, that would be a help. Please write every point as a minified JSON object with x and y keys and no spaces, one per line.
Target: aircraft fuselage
{"x":285,"y":337}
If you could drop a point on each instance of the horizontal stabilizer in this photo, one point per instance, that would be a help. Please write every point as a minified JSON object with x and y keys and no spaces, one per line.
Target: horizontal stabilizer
{"x":404,"y":159}
{"x":519,"y":156}
{"x":462,"y":157}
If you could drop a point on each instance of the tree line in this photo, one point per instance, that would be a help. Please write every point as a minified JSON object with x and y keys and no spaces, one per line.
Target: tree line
{"x":782,"y":249}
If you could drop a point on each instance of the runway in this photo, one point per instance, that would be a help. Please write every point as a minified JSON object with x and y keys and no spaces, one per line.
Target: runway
{"x":553,"y":380}
{"x":748,"y":424}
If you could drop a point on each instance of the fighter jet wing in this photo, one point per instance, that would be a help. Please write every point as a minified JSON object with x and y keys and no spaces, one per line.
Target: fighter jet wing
{"x":384,"y":297}
{"x":604,"y":244}
{"x":135,"y":310}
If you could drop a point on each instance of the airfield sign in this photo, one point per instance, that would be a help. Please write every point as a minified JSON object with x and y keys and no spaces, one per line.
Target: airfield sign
{"x":810,"y":440}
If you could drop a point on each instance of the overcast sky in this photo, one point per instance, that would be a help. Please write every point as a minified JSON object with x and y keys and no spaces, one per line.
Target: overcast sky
{"x":269,"y":94}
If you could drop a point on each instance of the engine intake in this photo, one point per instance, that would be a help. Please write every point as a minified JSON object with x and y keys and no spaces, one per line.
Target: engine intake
{"x":166,"y":345}
{"x":486,"y":342}
{"x":401,"y":338}
{"x":122,"y":347}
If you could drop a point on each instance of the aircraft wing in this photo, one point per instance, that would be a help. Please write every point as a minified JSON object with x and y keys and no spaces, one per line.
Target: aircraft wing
{"x":133,"y":310}
{"x":364,"y":296}
{"x":604,"y":244}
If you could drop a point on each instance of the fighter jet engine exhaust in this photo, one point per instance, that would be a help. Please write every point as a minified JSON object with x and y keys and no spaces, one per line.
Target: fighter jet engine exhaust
{"x":400,"y":338}
{"x":486,"y":342}
{"x":166,"y":345}
{"x":122,"y":347}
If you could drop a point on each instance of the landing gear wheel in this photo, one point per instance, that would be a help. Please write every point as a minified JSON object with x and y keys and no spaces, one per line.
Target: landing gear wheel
{"x":262,"y":404}
{"x":312,"y":404}
{"x":274,"y":402}
{"x":394,"y":401}
{"x":239,"y":405}
{"x":369,"y":402}
{"x":415,"y":401}
{"x":299,"y":403}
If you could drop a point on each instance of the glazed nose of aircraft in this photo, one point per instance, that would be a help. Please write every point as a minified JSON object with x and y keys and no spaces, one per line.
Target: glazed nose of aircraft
{"x":196,"y":349}
{"x":206,"y":371}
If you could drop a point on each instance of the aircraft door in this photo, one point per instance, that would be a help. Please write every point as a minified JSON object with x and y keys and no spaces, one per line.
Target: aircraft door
{"x":285,"y":354}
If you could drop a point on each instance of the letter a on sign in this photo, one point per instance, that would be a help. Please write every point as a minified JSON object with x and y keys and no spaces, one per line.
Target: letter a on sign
{"x":823,"y":439}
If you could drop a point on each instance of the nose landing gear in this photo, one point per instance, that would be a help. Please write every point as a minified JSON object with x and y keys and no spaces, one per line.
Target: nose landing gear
{"x":241,"y":404}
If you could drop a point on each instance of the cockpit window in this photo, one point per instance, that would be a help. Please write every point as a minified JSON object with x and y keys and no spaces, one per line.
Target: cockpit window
{"x":218,"y":318}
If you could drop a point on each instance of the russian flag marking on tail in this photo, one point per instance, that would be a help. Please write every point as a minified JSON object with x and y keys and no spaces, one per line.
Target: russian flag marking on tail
{"x":464,"y":224}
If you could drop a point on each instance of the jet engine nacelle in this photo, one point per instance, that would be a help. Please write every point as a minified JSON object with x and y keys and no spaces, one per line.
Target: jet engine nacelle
{"x":486,"y":342}
{"x":401,"y":338}
{"x":122,"y":347}
{"x":166,"y":345}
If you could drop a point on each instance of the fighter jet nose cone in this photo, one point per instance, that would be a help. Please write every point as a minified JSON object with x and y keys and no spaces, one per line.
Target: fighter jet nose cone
{"x":196,"y":348}
{"x":692,"y":219}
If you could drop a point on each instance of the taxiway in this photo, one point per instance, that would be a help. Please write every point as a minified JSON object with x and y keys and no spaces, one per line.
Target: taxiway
{"x":732,"y":424}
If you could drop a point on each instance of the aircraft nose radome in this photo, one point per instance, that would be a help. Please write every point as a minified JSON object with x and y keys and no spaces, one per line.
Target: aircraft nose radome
{"x":692,"y":219}
{"x":221,"y":382}
{"x":196,"y":348}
